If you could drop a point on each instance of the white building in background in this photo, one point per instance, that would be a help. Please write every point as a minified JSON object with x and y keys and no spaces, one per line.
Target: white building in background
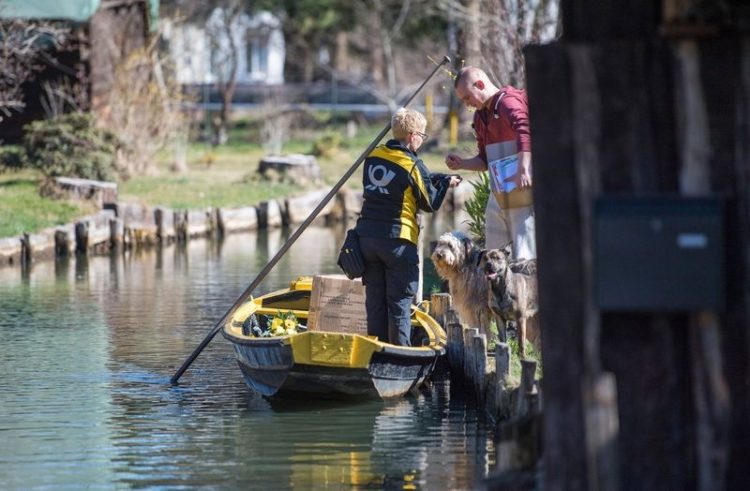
{"x":198,"y":55}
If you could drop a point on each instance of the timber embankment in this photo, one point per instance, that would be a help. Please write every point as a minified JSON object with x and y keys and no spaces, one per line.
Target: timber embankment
{"x":124,"y":225}
{"x":514,"y":407}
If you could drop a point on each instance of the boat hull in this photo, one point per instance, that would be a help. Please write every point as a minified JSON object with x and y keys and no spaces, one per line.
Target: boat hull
{"x":341,"y":362}
{"x":269,"y":368}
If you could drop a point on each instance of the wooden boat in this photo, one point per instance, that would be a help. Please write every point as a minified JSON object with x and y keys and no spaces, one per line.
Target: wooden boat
{"x":328,"y":364}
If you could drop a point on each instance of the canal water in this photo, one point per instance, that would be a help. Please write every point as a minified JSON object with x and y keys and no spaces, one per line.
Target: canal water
{"x":87,"y":349}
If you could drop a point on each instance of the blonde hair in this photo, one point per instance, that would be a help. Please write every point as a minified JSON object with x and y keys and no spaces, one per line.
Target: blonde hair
{"x":405,"y":121}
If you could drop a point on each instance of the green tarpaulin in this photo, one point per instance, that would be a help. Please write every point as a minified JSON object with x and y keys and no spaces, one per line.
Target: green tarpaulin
{"x":72,"y":10}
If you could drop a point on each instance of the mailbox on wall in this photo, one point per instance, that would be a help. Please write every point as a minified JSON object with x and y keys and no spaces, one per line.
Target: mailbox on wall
{"x":658,"y":254}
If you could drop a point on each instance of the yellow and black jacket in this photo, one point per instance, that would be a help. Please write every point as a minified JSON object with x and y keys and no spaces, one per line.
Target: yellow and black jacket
{"x":396,"y":184}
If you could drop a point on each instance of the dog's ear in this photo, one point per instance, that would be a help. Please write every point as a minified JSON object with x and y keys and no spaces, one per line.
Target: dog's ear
{"x":468,"y":246}
{"x":480,"y":256}
{"x":508,"y":249}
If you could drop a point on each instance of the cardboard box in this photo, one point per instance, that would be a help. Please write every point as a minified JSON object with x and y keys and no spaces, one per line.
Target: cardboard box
{"x":337,"y":304}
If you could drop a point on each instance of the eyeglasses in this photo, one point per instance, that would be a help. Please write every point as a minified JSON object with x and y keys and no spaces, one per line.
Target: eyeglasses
{"x":423,"y":135}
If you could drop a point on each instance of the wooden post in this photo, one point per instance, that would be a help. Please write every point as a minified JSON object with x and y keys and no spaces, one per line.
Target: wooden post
{"x":479,"y":347}
{"x":470,"y":354}
{"x":602,"y":428}
{"x":82,"y":236}
{"x":62,"y":243}
{"x":27,"y":252}
{"x":117,"y":232}
{"x":165,"y":225}
{"x":181,"y":226}
{"x":453,"y":138}
{"x":456,"y":349}
{"x":502,"y":360}
{"x":528,"y":371}
{"x":440,"y":304}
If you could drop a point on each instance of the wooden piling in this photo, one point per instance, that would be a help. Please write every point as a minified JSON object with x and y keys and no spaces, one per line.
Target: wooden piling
{"x":440,"y":304}
{"x":479,"y":350}
{"x":456,"y":349}
{"x":165,"y":230}
{"x":63,"y":240}
{"x":527,"y":386}
{"x":82,"y":236}
{"x":116,"y":231}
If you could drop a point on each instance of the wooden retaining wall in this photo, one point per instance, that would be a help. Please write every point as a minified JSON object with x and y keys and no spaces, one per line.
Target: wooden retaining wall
{"x":122,"y":225}
{"x":513,"y":407}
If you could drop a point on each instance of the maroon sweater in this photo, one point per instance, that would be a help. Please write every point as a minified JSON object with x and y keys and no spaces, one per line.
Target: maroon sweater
{"x":505,"y":119}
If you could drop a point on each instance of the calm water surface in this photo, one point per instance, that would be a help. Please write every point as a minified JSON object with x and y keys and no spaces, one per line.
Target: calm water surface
{"x":87,"y":350}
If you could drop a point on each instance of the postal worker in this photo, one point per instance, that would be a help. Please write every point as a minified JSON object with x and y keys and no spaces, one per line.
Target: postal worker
{"x":396,"y":185}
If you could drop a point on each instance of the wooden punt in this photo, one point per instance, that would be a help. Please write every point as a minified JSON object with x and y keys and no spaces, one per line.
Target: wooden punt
{"x":328,"y":364}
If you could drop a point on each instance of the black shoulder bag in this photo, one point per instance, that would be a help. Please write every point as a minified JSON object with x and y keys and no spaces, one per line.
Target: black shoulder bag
{"x":350,"y":256}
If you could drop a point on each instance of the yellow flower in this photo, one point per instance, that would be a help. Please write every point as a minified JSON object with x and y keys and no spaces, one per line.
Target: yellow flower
{"x":276,"y":323}
{"x":290,"y":323}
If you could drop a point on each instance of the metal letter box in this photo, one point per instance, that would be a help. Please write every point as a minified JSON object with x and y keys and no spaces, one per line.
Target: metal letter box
{"x":658,"y":254}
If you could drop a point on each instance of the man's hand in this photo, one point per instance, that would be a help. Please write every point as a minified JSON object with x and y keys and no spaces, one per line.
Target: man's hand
{"x":454,"y":162}
{"x":522,"y":179}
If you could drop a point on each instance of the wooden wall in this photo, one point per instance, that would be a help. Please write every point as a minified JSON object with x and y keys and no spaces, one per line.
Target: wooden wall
{"x":620,"y":108}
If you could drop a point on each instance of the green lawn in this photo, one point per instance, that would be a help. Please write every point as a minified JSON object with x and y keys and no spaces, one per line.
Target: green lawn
{"x":223,"y":176}
{"x":23,"y":210}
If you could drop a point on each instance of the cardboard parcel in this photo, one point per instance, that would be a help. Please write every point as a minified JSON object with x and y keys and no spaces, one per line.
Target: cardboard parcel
{"x":337,"y":304}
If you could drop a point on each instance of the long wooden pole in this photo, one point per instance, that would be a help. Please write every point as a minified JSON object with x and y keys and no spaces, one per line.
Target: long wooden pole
{"x":293,"y":238}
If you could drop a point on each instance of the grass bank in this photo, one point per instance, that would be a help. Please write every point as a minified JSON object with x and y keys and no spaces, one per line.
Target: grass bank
{"x":23,"y":210}
{"x":223,"y":176}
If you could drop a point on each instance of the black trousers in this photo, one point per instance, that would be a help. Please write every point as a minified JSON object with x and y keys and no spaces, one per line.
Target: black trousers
{"x":391,"y":279}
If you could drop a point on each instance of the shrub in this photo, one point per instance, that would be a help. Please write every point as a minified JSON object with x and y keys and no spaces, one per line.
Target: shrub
{"x":11,"y":158}
{"x":71,"y":146}
{"x":475,"y":207}
{"x":327,"y":146}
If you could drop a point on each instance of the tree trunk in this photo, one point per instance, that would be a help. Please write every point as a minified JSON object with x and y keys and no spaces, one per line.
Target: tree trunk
{"x":472,"y":31}
{"x":377,"y":56}
{"x":341,"y":57}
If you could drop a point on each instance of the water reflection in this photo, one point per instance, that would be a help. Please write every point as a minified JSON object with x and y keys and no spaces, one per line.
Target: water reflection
{"x":89,"y":344}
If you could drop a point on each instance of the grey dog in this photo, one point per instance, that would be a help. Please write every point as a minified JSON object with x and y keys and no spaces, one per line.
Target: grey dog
{"x":456,"y":260}
{"x":513,"y":293}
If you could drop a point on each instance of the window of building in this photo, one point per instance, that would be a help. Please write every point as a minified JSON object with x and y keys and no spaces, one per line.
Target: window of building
{"x":257,"y":56}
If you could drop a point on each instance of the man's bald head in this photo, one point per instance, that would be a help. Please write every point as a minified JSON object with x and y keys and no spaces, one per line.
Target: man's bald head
{"x":468,"y":75}
{"x":474,"y":87}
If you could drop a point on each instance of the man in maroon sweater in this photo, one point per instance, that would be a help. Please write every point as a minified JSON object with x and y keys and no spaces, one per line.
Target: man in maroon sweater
{"x":501,"y":126}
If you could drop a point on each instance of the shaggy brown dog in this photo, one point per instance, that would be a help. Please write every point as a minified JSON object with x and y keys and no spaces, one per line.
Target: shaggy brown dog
{"x":513,"y":294}
{"x":456,"y":260}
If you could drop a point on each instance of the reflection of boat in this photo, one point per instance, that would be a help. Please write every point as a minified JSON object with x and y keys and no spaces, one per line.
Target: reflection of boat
{"x":324,"y":363}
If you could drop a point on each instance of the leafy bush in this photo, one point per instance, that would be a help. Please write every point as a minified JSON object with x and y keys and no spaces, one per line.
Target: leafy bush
{"x":327,"y":145}
{"x":475,"y":207}
{"x":12,"y":158}
{"x":72,"y":146}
